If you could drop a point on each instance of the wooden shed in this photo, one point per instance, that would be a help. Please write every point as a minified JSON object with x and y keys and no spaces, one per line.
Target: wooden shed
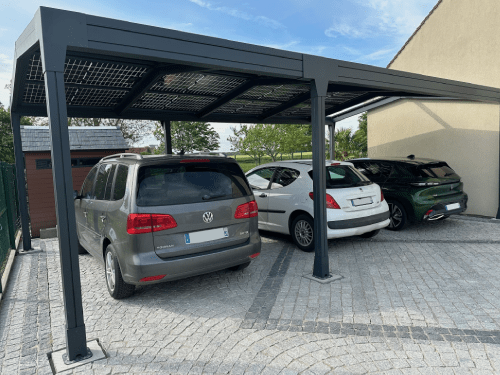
{"x":87,"y":144}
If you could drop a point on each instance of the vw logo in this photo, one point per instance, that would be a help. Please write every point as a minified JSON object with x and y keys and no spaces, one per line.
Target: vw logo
{"x":208,"y":217}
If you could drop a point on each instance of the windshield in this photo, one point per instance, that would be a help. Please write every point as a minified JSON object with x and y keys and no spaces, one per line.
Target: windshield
{"x":169,"y":184}
{"x":342,"y":176}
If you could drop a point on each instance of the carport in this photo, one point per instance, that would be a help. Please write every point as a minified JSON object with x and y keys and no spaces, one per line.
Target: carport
{"x":77,"y":65}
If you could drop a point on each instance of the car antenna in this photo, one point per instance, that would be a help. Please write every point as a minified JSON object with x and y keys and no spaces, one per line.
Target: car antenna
{"x":411,"y":157}
{"x":182,"y":152}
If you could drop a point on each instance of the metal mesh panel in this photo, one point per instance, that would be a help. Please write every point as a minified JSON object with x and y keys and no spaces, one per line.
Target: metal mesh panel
{"x":101,"y":73}
{"x":35,"y":71}
{"x":341,"y":97}
{"x":172,"y":102}
{"x":34,"y":94}
{"x":93,"y":97}
{"x":90,"y":72}
{"x":247,"y":107}
{"x":197,"y":83}
{"x":302,"y":109}
{"x":280,"y":93}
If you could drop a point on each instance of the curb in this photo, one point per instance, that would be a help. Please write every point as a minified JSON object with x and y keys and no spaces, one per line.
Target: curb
{"x":8,"y":268}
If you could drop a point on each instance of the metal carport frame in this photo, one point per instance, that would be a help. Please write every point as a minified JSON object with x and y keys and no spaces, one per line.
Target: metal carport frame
{"x":77,"y":65}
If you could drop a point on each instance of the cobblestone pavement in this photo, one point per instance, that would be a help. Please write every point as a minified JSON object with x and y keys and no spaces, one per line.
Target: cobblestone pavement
{"x":422,"y":301}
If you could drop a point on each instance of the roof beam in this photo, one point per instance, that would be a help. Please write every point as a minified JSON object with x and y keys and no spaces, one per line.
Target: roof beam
{"x":333,"y":87}
{"x":350,"y":103}
{"x":147,"y":81}
{"x":240,"y":90}
{"x":289,"y":104}
{"x":233,"y":94}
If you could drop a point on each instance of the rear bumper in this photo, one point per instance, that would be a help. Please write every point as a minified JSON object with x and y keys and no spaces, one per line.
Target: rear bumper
{"x":439,"y":210}
{"x":359,"y":222}
{"x":357,"y":226}
{"x":149,"y":264}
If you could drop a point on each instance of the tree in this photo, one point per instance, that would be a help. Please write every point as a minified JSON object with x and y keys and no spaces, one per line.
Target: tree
{"x":240,"y":142}
{"x":132,"y":130}
{"x":6,"y":136}
{"x":188,"y":136}
{"x":297,"y":138}
{"x":260,"y":139}
{"x":270,"y":139}
{"x":361,"y":135}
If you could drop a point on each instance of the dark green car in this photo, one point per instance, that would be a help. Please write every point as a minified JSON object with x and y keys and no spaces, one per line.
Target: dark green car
{"x":416,"y":189}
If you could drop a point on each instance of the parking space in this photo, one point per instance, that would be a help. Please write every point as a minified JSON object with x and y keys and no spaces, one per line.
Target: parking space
{"x":424,"y":300}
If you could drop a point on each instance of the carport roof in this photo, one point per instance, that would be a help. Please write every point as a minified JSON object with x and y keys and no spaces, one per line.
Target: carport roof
{"x":125,"y":70}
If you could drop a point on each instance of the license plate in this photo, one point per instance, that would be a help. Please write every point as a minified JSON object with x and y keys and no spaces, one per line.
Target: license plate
{"x":452,"y":206}
{"x":361,"y":201}
{"x":206,"y":235}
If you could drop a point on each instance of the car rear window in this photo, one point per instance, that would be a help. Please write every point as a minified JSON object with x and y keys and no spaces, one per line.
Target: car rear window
{"x":342,"y":176}
{"x":169,"y":184}
{"x":435,"y":170}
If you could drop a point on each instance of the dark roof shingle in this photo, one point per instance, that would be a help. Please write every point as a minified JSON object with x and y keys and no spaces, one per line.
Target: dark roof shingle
{"x":37,"y":138}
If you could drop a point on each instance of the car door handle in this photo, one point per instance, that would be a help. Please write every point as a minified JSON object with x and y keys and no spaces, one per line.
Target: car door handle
{"x":103,"y":217}
{"x":263,"y":195}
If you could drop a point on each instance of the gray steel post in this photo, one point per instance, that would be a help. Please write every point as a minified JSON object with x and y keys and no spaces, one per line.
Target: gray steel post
{"x":76,"y":342}
{"x":168,"y":137}
{"x":331,"y":128}
{"x":21,"y":181}
{"x":321,"y":265}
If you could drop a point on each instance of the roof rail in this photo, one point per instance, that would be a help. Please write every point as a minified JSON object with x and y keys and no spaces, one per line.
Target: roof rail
{"x":123,"y":155}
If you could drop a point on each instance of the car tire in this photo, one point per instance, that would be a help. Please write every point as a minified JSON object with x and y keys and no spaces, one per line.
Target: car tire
{"x":81,"y":249}
{"x":371,"y":234}
{"x":302,"y":230}
{"x":397,"y":216}
{"x":239,"y":267}
{"x":117,"y":288}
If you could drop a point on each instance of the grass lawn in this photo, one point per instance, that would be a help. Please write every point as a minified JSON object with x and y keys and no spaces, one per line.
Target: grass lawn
{"x":246,"y":162}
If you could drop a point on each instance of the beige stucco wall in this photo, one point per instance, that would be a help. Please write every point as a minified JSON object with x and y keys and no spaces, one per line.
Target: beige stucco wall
{"x":460,"y":41}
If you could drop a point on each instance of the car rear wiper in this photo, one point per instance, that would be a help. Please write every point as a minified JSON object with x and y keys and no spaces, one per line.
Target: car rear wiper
{"x":208,"y":197}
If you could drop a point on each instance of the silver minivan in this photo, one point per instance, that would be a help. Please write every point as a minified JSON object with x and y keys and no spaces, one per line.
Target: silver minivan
{"x":151,"y":219}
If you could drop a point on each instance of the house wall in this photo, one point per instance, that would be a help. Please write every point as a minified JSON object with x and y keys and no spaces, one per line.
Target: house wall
{"x":458,"y":41}
{"x":41,"y":188}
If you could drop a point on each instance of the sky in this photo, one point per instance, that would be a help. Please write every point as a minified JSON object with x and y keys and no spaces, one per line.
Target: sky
{"x":363,"y":31}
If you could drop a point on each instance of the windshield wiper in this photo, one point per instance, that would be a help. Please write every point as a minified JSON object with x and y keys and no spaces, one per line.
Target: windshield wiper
{"x":208,"y":197}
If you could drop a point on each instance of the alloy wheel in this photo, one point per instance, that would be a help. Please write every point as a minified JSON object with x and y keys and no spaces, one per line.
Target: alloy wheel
{"x":304,"y":233}
{"x":110,"y":271}
{"x":396,"y":217}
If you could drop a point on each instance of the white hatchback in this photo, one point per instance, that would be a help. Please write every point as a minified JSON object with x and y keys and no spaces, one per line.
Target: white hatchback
{"x":284,"y":194}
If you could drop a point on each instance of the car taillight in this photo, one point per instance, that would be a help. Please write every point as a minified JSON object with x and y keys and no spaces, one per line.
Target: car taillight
{"x":381,"y":195}
{"x":152,"y":278}
{"x":162,"y":222}
{"x":147,"y":223}
{"x":330,"y":202}
{"x":195,"y":161}
{"x":246,"y":210}
{"x":253,"y":256}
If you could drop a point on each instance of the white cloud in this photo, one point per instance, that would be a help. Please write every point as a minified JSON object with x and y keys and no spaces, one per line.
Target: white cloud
{"x":374,"y":18}
{"x":6,"y":66}
{"x":263,"y":20}
{"x":345,"y":29}
{"x":379,"y":55}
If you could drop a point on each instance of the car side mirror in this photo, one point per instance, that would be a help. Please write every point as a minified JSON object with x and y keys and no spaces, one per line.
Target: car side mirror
{"x":75,"y":195}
